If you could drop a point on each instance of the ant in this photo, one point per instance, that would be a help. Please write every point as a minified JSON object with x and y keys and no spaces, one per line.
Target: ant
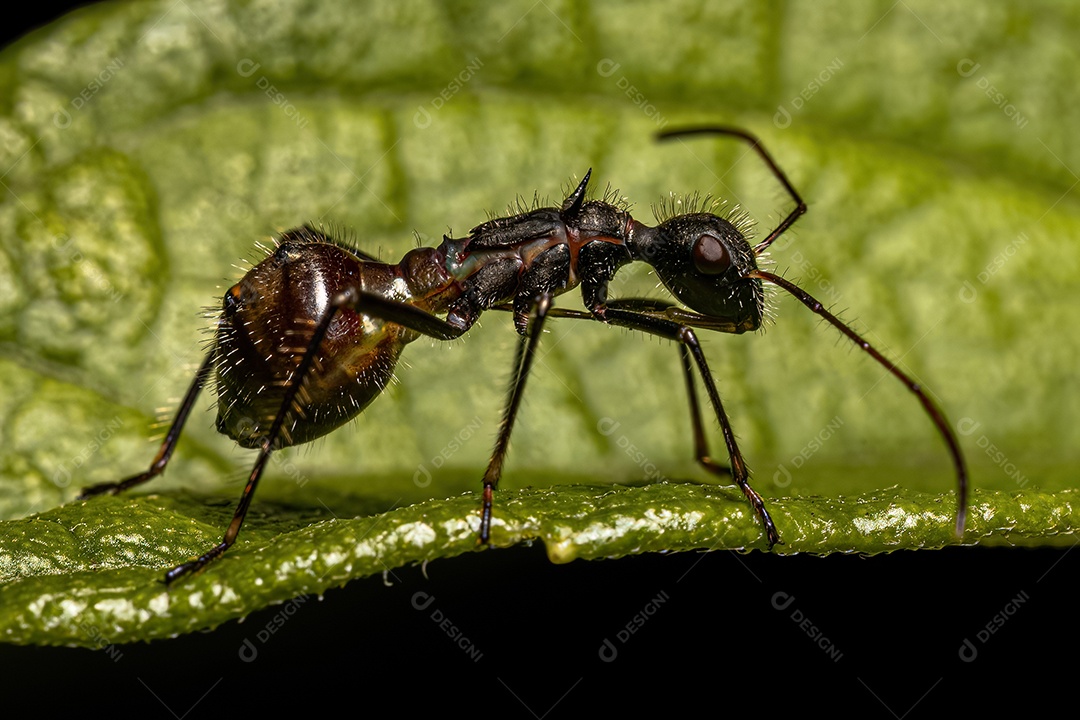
{"x":311,"y":334}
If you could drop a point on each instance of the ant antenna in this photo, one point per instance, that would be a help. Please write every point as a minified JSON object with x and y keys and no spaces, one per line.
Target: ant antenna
{"x":937,"y":416}
{"x":755,"y":144}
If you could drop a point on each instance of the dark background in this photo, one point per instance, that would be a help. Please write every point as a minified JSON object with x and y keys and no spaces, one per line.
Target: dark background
{"x":715,"y":643}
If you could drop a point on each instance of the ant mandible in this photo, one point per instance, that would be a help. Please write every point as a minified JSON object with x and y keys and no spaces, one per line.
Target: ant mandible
{"x":311,"y":335}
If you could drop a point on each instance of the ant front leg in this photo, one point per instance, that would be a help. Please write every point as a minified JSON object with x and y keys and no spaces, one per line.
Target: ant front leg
{"x":701,"y":444}
{"x":157,"y":466}
{"x":648,"y":316}
{"x":687,"y":338}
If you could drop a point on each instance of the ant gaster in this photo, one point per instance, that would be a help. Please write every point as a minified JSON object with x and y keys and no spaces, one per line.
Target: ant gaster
{"x":311,"y":335}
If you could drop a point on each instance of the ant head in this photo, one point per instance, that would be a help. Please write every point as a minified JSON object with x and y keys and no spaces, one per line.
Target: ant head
{"x":704,"y":261}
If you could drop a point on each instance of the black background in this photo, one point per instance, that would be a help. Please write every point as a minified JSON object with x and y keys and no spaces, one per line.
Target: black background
{"x":716,"y":644}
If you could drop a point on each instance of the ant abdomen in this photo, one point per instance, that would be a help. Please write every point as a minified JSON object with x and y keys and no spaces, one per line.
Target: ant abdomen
{"x":266,"y":325}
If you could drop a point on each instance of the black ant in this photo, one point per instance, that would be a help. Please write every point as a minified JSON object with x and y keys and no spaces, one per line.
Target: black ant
{"x":311,"y":334}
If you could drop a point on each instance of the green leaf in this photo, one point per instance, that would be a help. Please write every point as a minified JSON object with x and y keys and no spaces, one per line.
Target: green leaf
{"x":147,"y":147}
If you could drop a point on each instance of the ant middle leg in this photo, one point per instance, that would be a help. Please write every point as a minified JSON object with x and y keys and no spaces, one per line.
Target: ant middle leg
{"x":526,"y":351}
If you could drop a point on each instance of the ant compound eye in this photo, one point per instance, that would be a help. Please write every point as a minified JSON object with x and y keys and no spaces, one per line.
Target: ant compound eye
{"x":711,"y":256}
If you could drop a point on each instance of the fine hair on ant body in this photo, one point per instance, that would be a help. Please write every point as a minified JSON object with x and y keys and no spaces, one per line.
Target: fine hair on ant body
{"x":312,"y":333}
